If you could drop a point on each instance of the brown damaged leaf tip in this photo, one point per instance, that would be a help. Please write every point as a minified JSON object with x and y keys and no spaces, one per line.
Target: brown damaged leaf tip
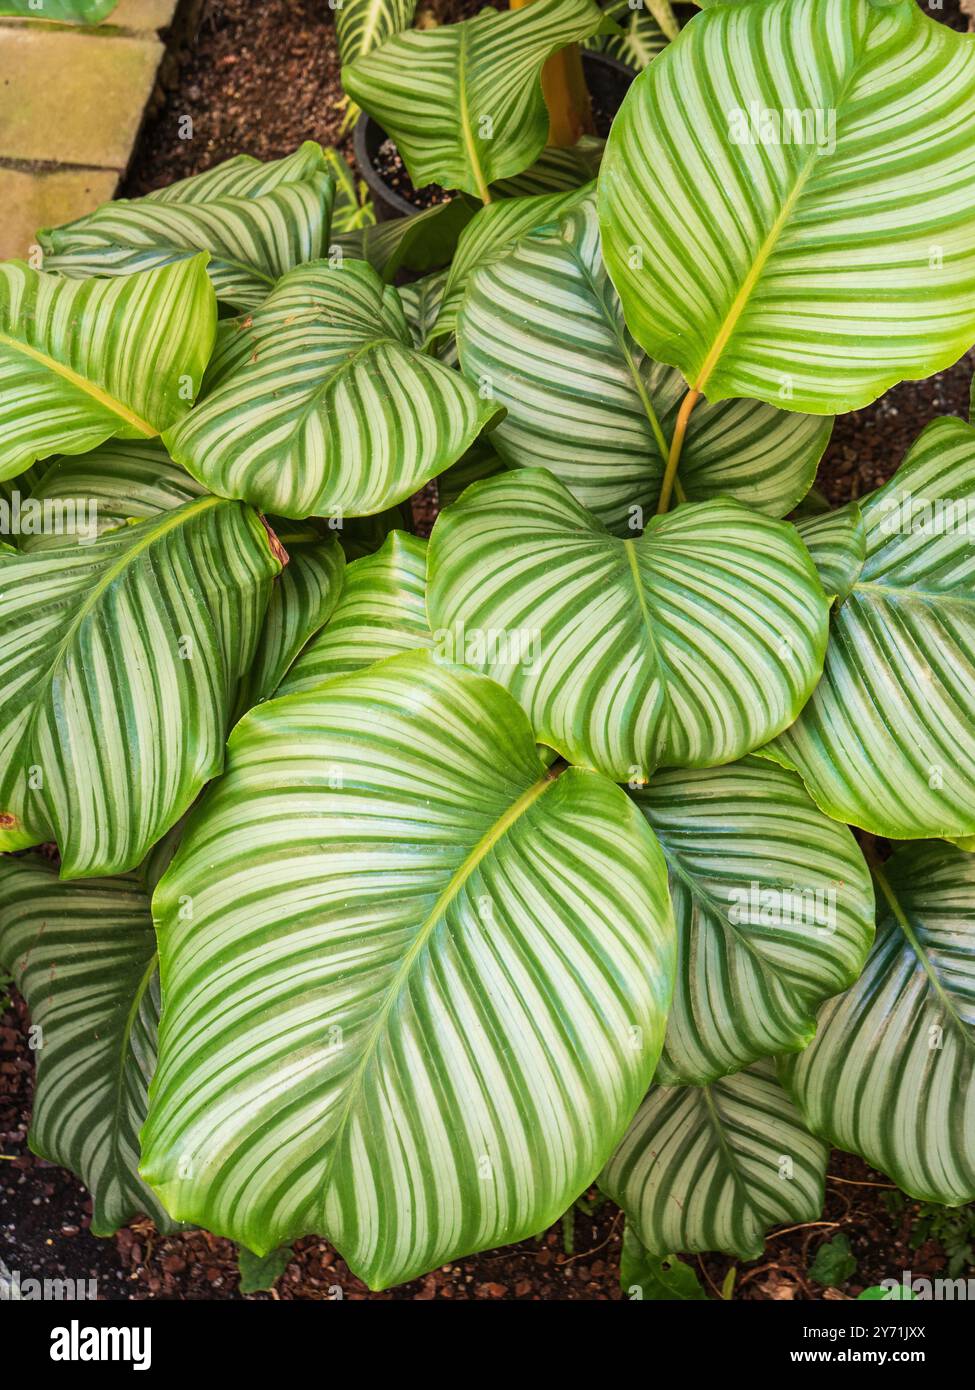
{"x":277,"y":549}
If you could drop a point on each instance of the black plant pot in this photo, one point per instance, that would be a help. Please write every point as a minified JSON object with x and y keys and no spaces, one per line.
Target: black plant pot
{"x":607,"y":79}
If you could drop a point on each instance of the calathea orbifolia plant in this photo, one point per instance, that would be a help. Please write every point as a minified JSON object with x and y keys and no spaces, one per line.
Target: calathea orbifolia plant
{"x":528,"y":859}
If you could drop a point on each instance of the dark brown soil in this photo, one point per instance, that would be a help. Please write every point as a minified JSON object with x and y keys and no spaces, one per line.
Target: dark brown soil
{"x":259,"y":78}
{"x":391,"y":169}
{"x":45,"y":1214}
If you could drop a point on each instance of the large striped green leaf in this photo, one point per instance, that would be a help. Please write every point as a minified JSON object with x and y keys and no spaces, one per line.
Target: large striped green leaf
{"x":837,"y":543}
{"x":419,"y":241}
{"x":543,"y":329}
{"x":489,"y":236}
{"x":318,"y":403}
{"x":891,"y":1073}
{"x":83,"y":361}
{"x":715,"y":1167}
{"x":774,"y":909}
{"x":302,"y":600}
{"x":432,"y":976}
{"x":463,"y":102}
{"x":256,"y":224}
{"x":556,"y":170}
{"x":888,"y":739}
{"x":381,"y":610}
{"x":119,"y":668}
{"x":116,"y":483}
{"x":676,"y":648}
{"x":785,"y":201}
{"x":83,"y":955}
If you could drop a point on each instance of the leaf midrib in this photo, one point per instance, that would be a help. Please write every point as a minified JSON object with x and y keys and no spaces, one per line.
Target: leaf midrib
{"x":394,"y":991}
{"x":80,"y":383}
{"x":740,"y":301}
{"x":466,"y":130}
{"x":168,"y":522}
{"x":903,"y":921}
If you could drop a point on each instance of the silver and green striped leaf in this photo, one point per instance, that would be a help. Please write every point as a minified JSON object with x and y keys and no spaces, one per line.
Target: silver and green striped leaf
{"x":785,"y":202}
{"x":83,"y":361}
{"x":83,"y":955}
{"x":361,"y":25}
{"x":542,"y":327}
{"x":489,"y":236}
{"x":716,"y":1167}
{"x":677,"y":648}
{"x":380,"y":611}
{"x":891,"y":1073}
{"x":463,"y":102}
{"x":420,"y":241}
{"x":837,"y":543}
{"x":647,"y":28}
{"x":84,"y":497}
{"x":774,"y":909}
{"x":319,"y":404}
{"x":119,"y":670}
{"x":887,"y":741}
{"x":303,"y":599}
{"x":253,"y":236}
{"x":432,"y":975}
{"x":556,"y":170}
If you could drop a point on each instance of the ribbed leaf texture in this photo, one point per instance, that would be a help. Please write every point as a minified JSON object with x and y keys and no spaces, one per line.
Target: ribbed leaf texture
{"x":785,"y":201}
{"x":443,"y":976}
{"x":256,"y":221}
{"x":891,"y":1073}
{"x":674,"y":649}
{"x":132,"y":372}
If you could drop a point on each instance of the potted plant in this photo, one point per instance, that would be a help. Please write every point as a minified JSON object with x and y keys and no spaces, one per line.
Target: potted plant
{"x":569,"y":99}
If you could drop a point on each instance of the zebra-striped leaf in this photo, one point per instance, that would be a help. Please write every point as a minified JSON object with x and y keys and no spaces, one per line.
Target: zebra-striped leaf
{"x":887,"y":741}
{"x":492,"y":232}
{"x":555,"y":171}
{"x":119,"y":670}
{"x":83,"y":955}
{"x":432,"y":975}
{"x":361,"y":25}
{"x":774,"y":910}
{"x":463,"y":102}
{"x":837,"y":543}
{"x":381,"y":610}
{"x":318,"y":403}
{"x":116,"y":483}
{"x":478,"y":463}
{"x":303,"y":599}
{"x":83,"y":361}
{"x":785,"y":201}
{"x":891,"y":1073}
{"x":543,"y":328}
{"x":716,"y":1167}
{"x":674,"y":649}
{"x":279,"y":218}
{"x":419,"y":241}
{"x":646,"y":31}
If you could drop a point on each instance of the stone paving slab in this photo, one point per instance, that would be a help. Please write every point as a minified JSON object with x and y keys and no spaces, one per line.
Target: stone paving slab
{"x":73,"y":97}
{"x":41,"y":198}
